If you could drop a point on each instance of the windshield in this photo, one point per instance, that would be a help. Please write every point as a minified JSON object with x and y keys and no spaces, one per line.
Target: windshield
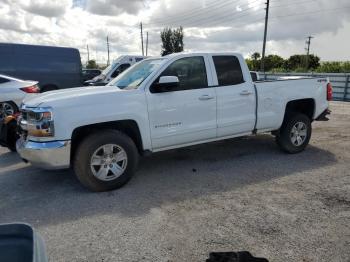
{"x":109,"y":68}
{"x":135,"y":75}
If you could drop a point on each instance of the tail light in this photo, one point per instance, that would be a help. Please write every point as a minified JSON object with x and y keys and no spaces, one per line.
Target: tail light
{"x":329,"y":92}
{"x":31,"y":89}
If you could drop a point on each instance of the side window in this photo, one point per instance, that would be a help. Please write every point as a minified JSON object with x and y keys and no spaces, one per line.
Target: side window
{"x":254,"y":76}
{"x":228,"y":70}
{"x":123,"y":67}
{"x":138,"y":59}
{"x":120,"y":69}
{"x":3,"y":80}
{"x":190,"y":71}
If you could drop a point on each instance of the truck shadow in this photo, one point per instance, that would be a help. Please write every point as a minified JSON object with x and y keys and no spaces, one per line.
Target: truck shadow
{"x":46,"y":197}
{"x":9,"y":158}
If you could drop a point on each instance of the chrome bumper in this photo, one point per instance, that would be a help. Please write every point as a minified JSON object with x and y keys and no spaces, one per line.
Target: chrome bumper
{"x":47,"y":155}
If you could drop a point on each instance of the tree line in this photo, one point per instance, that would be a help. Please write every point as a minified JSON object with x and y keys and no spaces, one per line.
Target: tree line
{"x":296,"y":63}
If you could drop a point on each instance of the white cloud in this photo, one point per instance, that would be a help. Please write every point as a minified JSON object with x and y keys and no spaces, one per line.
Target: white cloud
{"x":52,"y":8}
{"x":209,"y":25}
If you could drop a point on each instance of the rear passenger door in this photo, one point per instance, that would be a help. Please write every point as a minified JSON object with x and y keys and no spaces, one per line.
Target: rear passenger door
{"x":235,"y":97}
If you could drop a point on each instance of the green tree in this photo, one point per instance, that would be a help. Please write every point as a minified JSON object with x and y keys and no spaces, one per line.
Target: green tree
{"x":91,"y":64}
{"x":172,"y":40}
{"x":334,"y":67}
{"x":273,"y":61}
{"x":255,"y":61}
{"x":300,"y":62}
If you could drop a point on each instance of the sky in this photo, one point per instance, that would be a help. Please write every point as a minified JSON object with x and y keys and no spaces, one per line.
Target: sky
{"x":209,"y":25}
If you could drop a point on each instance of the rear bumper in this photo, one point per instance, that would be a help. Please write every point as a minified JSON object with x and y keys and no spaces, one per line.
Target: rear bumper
{"x":47,"y":155}
{"x":323,"y":115}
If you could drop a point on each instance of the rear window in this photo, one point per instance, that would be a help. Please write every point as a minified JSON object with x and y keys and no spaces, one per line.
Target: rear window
{"x":228,"y":70}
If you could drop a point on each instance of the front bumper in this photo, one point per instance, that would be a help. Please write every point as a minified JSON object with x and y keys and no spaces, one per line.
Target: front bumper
{"x":47,"y":155}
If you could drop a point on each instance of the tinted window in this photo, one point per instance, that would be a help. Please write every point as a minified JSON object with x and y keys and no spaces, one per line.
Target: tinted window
{"x":190,"y":71}
{"x":138,"y":59}
{"x":3,"y":80}
{"x":120,"y":69}
{"x":228,"y":70}
{"x":123,"y":67}
{"x":254,"y":76}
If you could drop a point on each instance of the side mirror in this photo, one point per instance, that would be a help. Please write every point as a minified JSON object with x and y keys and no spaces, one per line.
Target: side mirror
{"x":165,"y":84}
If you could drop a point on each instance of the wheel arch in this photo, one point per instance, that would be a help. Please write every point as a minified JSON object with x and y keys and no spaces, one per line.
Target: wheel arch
{"x":128,"y":127}
{"x":304,"y":106}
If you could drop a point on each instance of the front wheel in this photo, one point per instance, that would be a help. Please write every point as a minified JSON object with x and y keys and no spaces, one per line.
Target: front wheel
{"x":105,"y":160}
{"x":294,"y":134}
{"x":7,"y":109}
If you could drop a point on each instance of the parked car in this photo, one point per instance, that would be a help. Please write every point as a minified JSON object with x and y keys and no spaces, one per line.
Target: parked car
{"x":163,"y":103}
{"x":89,"y":74}
{"x":12,"y":92}
{"x":54,"y":67}
{"x":113,"y":70}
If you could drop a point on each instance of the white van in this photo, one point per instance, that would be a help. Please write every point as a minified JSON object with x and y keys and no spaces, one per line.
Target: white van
{"x":114,"y":69}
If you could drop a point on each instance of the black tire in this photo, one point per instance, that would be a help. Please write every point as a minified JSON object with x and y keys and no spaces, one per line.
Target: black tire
{"x":12,"y":105}
{"x":284,"y":137}
{"x":85,"y":151}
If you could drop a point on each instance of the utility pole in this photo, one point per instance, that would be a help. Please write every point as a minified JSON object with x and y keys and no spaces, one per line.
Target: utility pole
{"x":308,"y":42}
{"x":265,"y":33}
{"x":107,"y":51}
{"x":146,"y":43}
{"x":88,"y":53}
{"x":143,"y":52}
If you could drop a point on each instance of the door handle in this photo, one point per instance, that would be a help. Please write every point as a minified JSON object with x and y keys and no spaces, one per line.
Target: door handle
{"x":245,"y":93}
{"x":205,"y":97}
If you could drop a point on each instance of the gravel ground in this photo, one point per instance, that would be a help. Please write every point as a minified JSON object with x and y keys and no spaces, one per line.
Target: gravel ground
{"x":239,"y":194}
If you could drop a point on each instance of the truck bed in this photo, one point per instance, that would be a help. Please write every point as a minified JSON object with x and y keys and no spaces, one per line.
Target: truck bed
{"x":273,"y":95}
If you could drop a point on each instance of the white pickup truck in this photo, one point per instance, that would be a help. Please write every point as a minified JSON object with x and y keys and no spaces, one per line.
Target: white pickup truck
{"x":164,"y":103}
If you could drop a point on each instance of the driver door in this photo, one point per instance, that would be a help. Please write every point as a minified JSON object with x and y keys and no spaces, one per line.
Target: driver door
{"x":187,"y":113}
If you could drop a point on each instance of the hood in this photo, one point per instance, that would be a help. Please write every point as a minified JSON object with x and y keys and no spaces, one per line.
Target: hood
{"x":63,"y":96}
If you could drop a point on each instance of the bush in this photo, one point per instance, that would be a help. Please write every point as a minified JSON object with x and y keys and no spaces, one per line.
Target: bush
{"x":334,"y":67}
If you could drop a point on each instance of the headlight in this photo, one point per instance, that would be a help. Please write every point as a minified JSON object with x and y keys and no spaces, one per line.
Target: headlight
{"x":38,"y":122}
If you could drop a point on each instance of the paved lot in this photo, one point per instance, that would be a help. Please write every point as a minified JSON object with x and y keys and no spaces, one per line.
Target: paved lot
{"x":241,"y":194}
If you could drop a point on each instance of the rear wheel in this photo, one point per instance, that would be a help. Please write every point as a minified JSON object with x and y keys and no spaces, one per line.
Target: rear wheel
{"x":105,"y":160}
{"x":294,"y":134}
{"x":7,"y":109}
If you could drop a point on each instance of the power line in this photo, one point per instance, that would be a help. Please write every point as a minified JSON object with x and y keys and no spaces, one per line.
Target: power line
{"x":194,"y":19}
{"x":214,"y":20}
{"x":193,"y":13}
{"x":293,"y":3}
{"x":312,"y":12}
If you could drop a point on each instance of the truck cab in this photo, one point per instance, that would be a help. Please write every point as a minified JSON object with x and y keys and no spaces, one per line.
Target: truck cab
{"x":113,"y":70}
